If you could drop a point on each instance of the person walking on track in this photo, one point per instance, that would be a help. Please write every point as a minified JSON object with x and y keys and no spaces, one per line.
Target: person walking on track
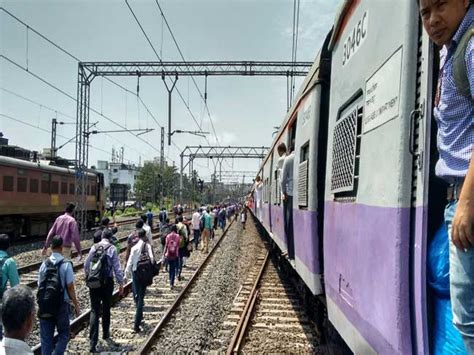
{"x":100,"y":266}
{"x":55,"y":292}
{"x":66,"y":227}
{"x":140,"y":255}
{"x":172,"y":253}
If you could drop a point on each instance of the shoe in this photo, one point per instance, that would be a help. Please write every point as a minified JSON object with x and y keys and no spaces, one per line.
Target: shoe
{"x":93,"y":349}
{"x":137,"y":330}
{"x":171,"y":287}
{"x":179,"y":278}
{"x":284,"y":253}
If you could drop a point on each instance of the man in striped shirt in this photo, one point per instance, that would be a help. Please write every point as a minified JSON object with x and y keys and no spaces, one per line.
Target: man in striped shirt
{"x":447,"y":22}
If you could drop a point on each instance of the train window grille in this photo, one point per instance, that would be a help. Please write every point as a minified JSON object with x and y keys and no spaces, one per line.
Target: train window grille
{"x":63,"y":188}
{"x":54,"y":187}
{"x":8,"y":183}
{"x":72,"y":189}
{"x":303,"y":176}
{"x":34,"y":186}
{"x":346,"y":155}
{"x":21,"y":184}
{"x":88,"y":192}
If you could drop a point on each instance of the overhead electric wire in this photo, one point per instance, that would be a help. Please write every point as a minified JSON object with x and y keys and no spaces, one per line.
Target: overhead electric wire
{"x":161,"y":61}
{"x":192,"y":77}
{"x":60,"y":48}
{"x":46,"y":130}
{"x":71,"y":118}
{"x":73,"y":98}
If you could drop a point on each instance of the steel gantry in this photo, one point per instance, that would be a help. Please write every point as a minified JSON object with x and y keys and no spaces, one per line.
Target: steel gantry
{"x":87,"y":71}
{"x":219,"y":153}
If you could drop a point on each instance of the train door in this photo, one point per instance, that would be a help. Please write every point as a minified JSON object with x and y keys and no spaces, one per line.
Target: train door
{"x":367,"y":244}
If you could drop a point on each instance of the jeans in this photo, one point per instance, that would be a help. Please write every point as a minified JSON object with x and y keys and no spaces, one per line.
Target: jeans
{"x":288,"y":220}
{"x":139,"y":302}
{"x":197,"y":237}
{"x":172,"y":267}
{"x":100,"y":296}
{"x":47,"y":332}
{"x":461,"y":277}
{"x":179,"y":267}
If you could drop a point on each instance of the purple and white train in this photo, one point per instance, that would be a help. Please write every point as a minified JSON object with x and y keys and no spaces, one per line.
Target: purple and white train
{"x":365,"y":199}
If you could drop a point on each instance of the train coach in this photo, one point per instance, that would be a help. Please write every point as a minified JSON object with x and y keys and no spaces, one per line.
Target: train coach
{"x":365,"y":198}
{"x":33,"y":194}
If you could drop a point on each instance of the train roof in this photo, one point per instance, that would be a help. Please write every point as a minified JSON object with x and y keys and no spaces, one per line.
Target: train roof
{"x":38,"y":166}
{"x":313,"y":78}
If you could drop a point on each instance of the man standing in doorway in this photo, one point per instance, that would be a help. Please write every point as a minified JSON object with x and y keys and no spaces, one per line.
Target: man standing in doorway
{"x":449,"y":24}
{"x":287,"y":195}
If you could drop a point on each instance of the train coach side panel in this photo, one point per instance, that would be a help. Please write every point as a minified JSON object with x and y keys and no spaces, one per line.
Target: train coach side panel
{"x":368,"y":185}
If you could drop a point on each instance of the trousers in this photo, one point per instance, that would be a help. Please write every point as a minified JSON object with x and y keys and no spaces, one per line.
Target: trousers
{"x":288,"y":221}
{"x":461,"y":277}
{"x":47,"y":328}
{"x":100,"y":296}
{"x":197,"y":237}
{"x":140,"y":291}
{"x":173,"y":268}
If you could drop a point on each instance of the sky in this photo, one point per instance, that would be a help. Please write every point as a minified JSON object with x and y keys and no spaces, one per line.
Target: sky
{"x":244,"y":110}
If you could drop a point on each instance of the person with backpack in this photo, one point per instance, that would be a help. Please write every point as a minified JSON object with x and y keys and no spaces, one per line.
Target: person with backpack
{"x":162,"y":216}
{"x":172,"y":253}
{"x":100,"y":266}
{"x":243,"y":218}
{"x":183,"y":245}
{"x":9,"y":269}
{"x":140,"y":267}
{"x":55,"y":292}
{"x":104,"y":224}
{"x":222,"y":217}
{"x":133,"y":238}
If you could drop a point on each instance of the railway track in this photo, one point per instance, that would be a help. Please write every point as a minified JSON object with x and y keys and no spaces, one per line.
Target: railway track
{"x":269,"y":316}
{"x":159,"y":304}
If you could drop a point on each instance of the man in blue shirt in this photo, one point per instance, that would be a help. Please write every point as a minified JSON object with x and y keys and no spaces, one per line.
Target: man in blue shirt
{"x":61,"y":323}
{"x":8,"y":268}
{"x":149,"y":218}
{"x":103,"y":296}
{"x":446,"y":22}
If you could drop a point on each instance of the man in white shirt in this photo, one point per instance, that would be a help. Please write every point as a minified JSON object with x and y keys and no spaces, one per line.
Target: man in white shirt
{"x":140,"y":289}
{"x":196,"y":223}
{"x":287,"y":191}
{"x":259,"y":193}
{"x":281,"y":150}
{"x":18,"y":317}
{"x":147,"y":229}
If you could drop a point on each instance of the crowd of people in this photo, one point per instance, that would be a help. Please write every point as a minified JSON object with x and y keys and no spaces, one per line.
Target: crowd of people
{"x":56,"y":301}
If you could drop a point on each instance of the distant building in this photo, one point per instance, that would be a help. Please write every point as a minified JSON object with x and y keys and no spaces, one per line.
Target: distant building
{"x":118,"y":173}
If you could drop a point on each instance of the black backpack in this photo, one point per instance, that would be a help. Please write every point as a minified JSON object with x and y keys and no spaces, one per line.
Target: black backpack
{"x":99,"y":268}
{"x":145,"y":268}
{"x":50,"y":291}
{"x":3,"y":282}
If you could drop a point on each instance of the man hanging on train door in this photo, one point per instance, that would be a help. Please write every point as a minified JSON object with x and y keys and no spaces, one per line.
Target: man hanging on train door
{"x":450,"y":25}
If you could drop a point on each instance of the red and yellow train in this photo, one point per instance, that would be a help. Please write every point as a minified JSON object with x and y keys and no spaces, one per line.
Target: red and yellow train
{"x":33,"y":194}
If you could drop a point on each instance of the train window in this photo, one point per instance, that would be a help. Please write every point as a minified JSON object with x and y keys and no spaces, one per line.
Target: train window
{"x":45,"y":186}
{"x":63,"y":188}
{"x":34,"y":185}
{"x":21,"y":184}
{"x":72,"y":189}
{"x":54,"y":187}
{"x":303,"y":176}
{"x":8,"y":183}
{"x":346,"y":152}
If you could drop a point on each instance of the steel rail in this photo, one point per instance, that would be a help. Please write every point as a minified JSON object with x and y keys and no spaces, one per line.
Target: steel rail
{"x":148,"y":344}
{"x":242,"y":327}
{"x":80,"y":322}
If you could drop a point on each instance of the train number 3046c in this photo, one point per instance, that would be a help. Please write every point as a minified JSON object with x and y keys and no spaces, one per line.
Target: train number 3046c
{"x":355,"y":39}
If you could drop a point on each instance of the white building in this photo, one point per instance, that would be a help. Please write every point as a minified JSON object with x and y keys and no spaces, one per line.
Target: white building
{"x":118,"y":173}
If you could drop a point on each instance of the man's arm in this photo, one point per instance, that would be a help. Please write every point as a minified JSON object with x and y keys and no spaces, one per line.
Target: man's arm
{"x":70,"y":287}
{"x":463,"y":222}
{"x":76,"y":239}
{"x":50,"y":236}
{"x":88,"y":260}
